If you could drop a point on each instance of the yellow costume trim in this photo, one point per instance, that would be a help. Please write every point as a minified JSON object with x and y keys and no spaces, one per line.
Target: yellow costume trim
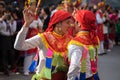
{"x":57,"y":35}
{"x":83,"y":32}
{"x":48,"y":46}
{"x":73,"y":42}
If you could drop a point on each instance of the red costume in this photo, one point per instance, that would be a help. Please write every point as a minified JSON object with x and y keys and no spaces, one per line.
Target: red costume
{"x":100,"y":27}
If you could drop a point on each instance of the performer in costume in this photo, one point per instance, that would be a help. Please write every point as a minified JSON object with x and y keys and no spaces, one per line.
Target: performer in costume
{"x":34,"y":28}
{"x":100,"y":21}
{"x":82,"y":49}
{"x":67,"y":5}
{"x":52,"y":43}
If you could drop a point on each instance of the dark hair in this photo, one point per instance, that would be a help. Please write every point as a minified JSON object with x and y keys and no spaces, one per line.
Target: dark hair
{"x":2,"y":4}
{"x":46,"y":9}
{"x":8,"y":9}
{"x":46,"y":21}
{"x":51,"y":4}
{"x":118,"y":19}
{"x":59,"y":2}
{"x":106,"y":22}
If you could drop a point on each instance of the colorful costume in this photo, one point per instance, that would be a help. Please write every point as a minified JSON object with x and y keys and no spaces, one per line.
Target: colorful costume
{"x":100,"y":20}
{"x":83,"y":49}
{"x":30,"y":54}
{"x":53,"y":56}
{"x":34,"y":28}
{"x":56,"y":56}
{"x":100,"y":25}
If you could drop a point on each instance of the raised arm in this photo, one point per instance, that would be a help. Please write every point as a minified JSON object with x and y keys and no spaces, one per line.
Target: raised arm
{"x":20,"y":42}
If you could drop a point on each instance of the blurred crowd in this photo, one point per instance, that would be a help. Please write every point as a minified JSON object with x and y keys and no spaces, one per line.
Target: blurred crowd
{"x":11,"y":21}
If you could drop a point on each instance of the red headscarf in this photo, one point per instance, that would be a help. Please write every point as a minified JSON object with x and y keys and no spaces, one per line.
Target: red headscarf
{"x":87,"y":21}
{"x":58,"y":16}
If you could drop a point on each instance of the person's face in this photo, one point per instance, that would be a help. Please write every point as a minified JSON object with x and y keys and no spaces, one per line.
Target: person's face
{"x":51,"y":7}
{"x":33,"y":6}
{"x":77,"y":26}
{"x":1,"y":8}
{"x":69,"y":9}
{"x":42,"y":12}
{"x":66,"y":24}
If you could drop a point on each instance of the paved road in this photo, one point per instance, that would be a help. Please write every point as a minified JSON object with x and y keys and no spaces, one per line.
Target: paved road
{"x":109,"y":67}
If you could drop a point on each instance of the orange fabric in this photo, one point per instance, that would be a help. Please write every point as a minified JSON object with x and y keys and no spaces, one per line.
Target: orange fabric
{"x":87,"y":20}
{"x":83,"y":37}
{"x":57,"y":42}
{"x":58,"y":16}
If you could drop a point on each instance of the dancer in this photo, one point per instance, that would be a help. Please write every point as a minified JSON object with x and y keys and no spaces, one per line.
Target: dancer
{"x":52,"y":43}
{"x":82,"y":49}
{"x":34,"y":28}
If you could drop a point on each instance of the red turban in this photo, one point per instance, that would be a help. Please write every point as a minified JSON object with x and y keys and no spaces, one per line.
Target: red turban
{"x":87,"y":20}
{"x":58,"y":16}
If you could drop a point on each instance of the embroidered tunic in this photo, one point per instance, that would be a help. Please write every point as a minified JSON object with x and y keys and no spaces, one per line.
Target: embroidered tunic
{"x":83,"y":57}
{"x":53,"y":47}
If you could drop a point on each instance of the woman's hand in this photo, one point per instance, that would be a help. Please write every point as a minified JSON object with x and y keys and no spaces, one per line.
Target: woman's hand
{"x":28,"y":17}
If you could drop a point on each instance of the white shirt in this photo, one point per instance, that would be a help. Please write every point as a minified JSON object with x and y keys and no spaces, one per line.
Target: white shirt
{"x":13,"y":27}
{"x":99,"y":19}
{"x":3,"y":27}
{"x":119,"y":14}
{"x":22,"y":44}
{"x":75,"y":55}
{"x":105,"y":29}
{"x":36,"y":23}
